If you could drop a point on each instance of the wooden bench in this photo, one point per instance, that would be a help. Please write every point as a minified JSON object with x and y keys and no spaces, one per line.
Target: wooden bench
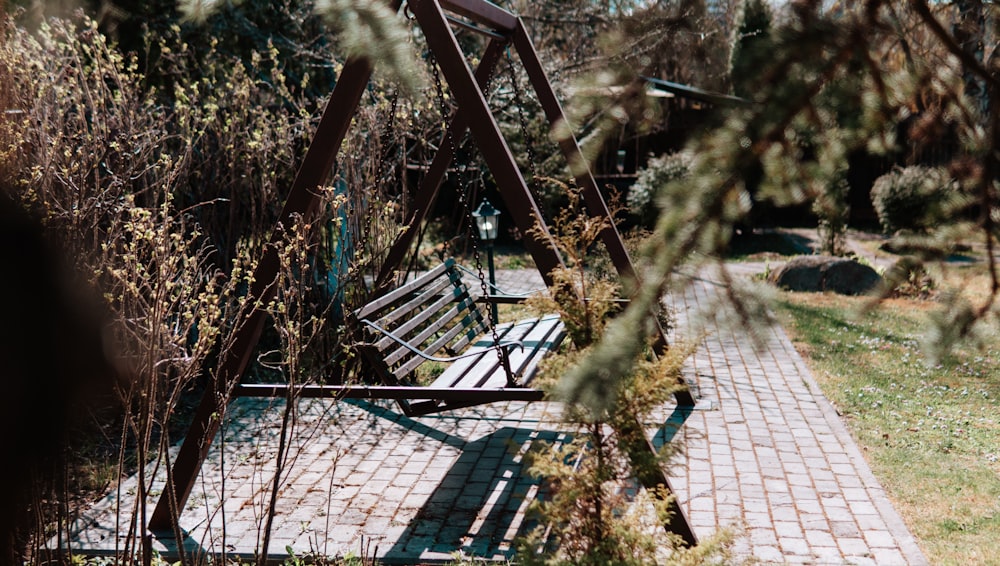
{"x":434,"y":318}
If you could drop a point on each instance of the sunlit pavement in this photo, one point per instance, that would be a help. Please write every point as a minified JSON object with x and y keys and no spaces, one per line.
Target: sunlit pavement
{"x":764,"y":453}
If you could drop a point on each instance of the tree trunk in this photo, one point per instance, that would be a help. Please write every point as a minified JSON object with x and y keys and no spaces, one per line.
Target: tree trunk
{"x":969,"y":31}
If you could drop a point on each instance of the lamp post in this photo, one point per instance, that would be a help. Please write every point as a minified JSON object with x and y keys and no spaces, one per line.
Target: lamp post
{"x":487,"y":220}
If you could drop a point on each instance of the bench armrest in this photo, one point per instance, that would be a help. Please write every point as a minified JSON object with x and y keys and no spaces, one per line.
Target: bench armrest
{"x":410,"y":347}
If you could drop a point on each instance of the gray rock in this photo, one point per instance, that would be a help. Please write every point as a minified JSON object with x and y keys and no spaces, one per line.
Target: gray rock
{"x":825,"y":273}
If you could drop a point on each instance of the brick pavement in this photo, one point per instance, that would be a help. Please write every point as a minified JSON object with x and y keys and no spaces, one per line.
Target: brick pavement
{"x":772,"y":454}
{"x":764,"y":451}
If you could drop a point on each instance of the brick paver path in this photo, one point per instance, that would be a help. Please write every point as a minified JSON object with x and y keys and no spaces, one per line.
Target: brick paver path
{"x":764,"y":452}
{"x":770,"y":452}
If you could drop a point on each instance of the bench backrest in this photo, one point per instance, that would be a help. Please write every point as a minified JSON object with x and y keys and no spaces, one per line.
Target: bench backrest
{"x":433,"y":313}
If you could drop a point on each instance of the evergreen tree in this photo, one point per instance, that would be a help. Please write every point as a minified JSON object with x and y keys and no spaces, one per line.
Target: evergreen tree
{"x":877,"y":76}
{"x":751,"y":46}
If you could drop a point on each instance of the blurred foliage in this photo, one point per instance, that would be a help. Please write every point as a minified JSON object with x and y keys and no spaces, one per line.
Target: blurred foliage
{"x":658,"y":172}
{"x":875,"y":76}
{"x":593,"y":511}
{"x":912,"y":198}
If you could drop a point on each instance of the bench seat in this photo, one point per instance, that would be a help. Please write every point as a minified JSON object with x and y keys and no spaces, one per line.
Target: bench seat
{"x":538,"y":336}
{"x":434,"y":318}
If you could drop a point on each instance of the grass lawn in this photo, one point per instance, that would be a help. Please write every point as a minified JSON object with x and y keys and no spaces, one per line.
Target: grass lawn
{"x":930,"y":434}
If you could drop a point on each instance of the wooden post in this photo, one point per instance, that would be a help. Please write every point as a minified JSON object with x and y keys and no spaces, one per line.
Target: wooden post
{"x":302,"y":201}
{"x":472,"y":104}
{"x":427,"y":192}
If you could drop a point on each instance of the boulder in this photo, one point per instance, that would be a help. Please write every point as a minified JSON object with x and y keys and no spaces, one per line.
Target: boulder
{"x":818,"y":273}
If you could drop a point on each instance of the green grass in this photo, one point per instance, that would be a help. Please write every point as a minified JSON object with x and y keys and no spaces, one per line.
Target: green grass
{"x":930,"y":434}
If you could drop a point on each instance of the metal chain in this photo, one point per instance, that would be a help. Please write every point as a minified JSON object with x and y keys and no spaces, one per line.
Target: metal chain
{"x":523,"y":121}
{"x":382,"y":167}
{"x":463,"y":199}
{"x":388,"y":131}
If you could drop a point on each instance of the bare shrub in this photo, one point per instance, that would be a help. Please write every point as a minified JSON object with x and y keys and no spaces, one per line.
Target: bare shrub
{"x":593,"y":512}
{"x":162,"y":201}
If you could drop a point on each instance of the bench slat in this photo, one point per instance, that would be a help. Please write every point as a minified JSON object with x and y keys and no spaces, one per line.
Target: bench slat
{"x":549,"y":343}
{"x":540,"y":336}
{"x":471,"y":326}
{"x":391,"y":313}
{"x":404,"y":290}
{"x":487,"y":361}
{"x":427,"y":323}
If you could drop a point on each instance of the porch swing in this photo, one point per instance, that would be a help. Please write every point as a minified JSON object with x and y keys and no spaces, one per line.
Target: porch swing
{"x":436,"y":318}
{"x":483,"y":362}
{"x":486,"y":345}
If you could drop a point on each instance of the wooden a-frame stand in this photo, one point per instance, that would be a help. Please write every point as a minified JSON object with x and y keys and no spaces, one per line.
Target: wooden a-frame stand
{"x":435,"y":17}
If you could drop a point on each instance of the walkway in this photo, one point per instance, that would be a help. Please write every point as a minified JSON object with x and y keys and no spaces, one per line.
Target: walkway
{"x":773,"y":455}
{"x":764,"y":451}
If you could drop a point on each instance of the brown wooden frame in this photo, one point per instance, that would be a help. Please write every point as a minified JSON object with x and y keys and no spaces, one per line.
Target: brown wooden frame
{"x":474,"y":115}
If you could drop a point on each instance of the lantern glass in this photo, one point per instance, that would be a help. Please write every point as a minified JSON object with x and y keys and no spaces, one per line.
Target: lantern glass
{"x":487,"y":221}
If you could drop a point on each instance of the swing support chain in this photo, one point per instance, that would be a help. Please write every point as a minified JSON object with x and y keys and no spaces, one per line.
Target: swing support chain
{"x":463,"y":198}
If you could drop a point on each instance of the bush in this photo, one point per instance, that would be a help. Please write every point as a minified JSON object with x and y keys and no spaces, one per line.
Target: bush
{"x":593,"y":511}
{"x":833,"y":211}
{"x":911,"y":198}
{"x":657,"y":173}
{"x":159,"y":199}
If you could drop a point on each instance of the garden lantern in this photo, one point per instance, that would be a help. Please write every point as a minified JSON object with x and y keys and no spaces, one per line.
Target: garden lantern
{"x":487,"y":222}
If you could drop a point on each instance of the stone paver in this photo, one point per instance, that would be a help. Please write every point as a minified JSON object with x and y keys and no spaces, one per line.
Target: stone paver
{"x":775,"y":445}
{"x":764,"y":453}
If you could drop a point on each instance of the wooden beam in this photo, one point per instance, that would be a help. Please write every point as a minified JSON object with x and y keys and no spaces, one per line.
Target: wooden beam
{"x":474,"y":395}
{"x":596,"y":206}
{"x":483,"y":13}
{"x":472,"y":102}
{"x":302,"y":200}
{"x":427,"y":191}
{"x":646,"y":466}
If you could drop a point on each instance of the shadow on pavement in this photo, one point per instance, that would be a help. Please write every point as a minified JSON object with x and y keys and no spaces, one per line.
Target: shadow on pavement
{"x":478,"y":508}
